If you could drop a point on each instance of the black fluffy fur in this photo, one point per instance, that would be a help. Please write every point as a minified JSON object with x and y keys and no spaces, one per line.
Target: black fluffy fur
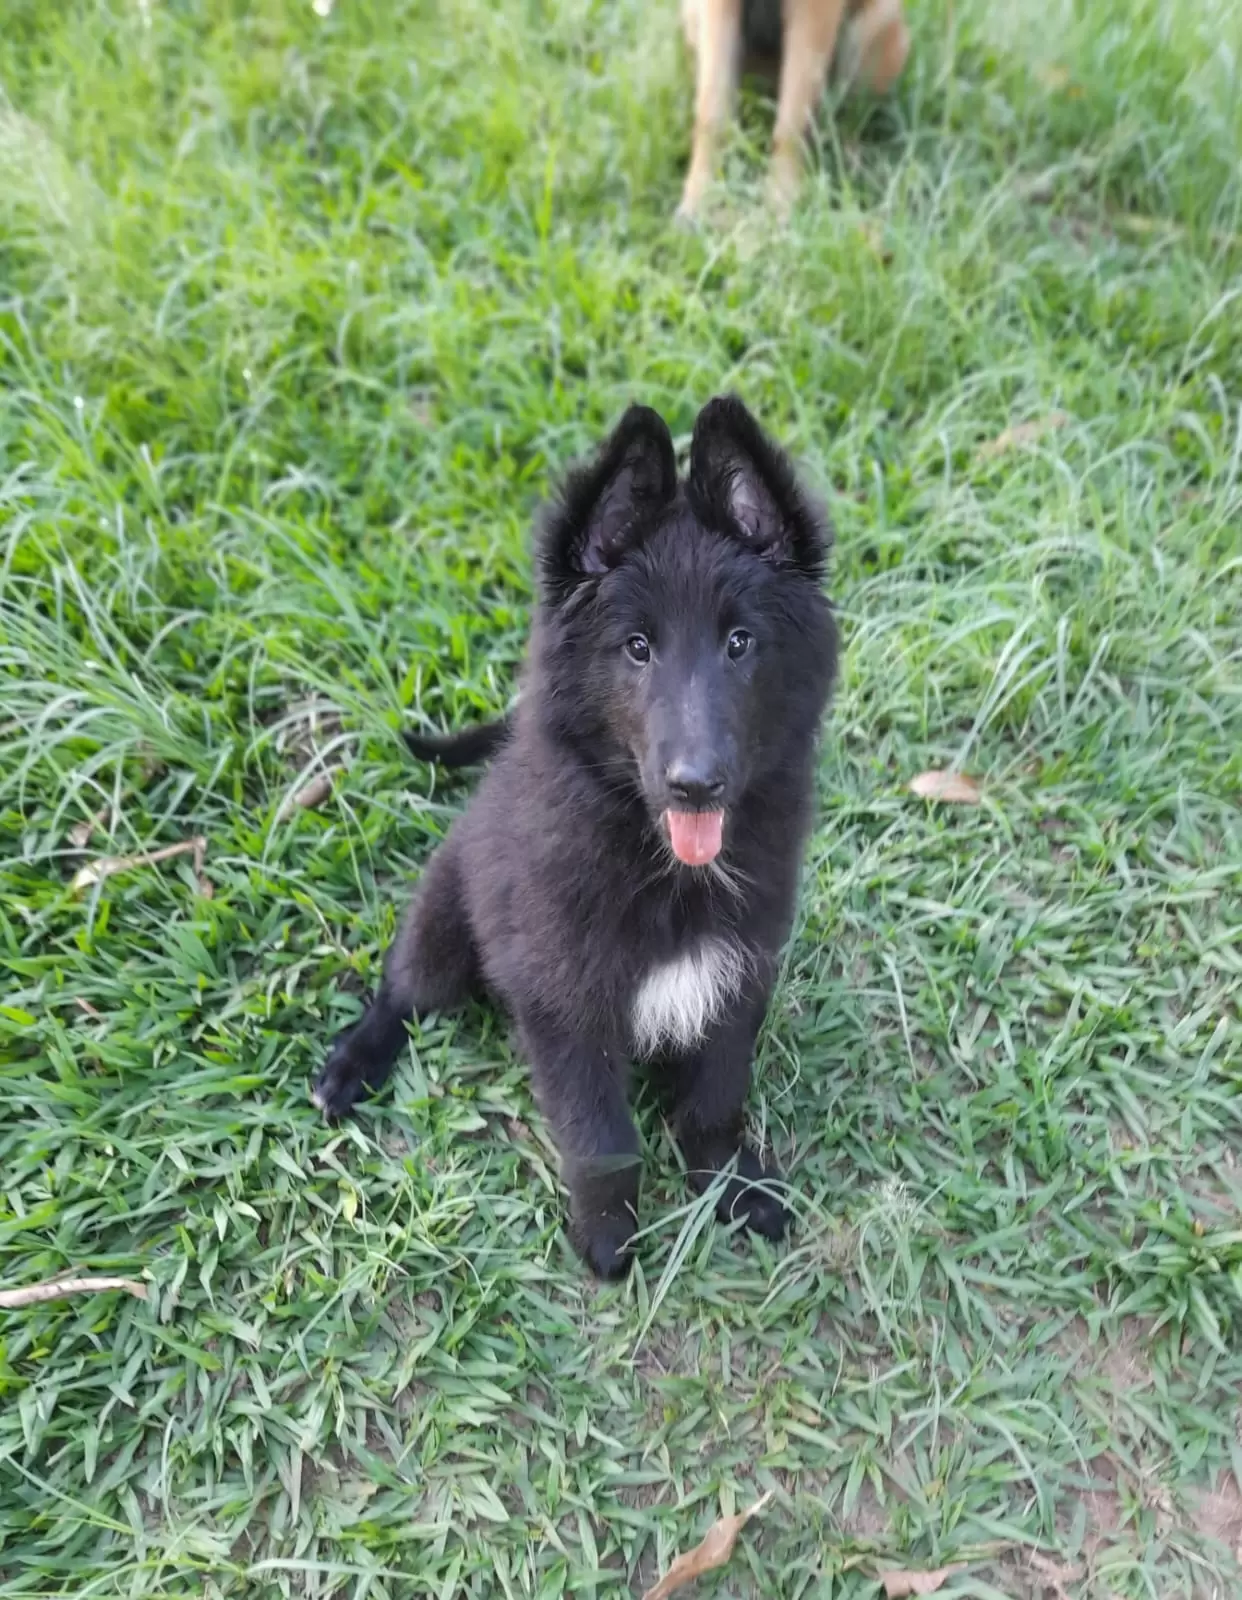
{"x":557,"y":891}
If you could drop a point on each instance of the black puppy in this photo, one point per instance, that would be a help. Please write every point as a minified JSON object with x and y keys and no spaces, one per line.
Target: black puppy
{"x":626,"y":874}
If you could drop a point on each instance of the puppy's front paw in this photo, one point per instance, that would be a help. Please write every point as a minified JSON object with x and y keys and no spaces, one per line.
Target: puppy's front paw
{"x":757,"y":1205}
{"x":752,"y":1196}
{"x":603,"y":1242}
{"x":341,"y":1079}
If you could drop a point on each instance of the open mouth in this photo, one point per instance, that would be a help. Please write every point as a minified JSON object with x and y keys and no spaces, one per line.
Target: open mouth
{"x":696,"y":836}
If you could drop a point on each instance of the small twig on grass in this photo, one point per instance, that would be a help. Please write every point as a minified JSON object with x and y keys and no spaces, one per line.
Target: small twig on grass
{"x":35,"y":1293}
{"x":105,"y":866}
{"x":311,"y":796}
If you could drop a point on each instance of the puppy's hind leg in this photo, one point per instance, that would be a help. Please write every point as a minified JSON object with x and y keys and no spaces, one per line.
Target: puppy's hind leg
{"x":810,"y":37}
{"x":432,"y":966}
{"x":717,"y":48}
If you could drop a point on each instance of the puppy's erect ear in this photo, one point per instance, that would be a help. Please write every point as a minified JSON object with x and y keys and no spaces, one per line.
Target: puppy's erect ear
{"x":742,"y":484}
{"x":602,"y":508}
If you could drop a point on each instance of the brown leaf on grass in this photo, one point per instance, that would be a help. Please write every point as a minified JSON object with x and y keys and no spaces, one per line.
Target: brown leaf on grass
{"x":713,"y":1552}
{"x":310,"y":796}
{"x":954,"y":787}
{"x":83,"y":1004}
{"x":1057,"y":79}
{"x":1054,"y":1574}
{"x":105,"y":866}
{"x":1053,"y":77}
{"x":36,"y":1293}
{"x":81,"y":834}
{"x":1021,"y":433}
{"x":899,"y":1584}
{"x":1165,"y":227}
{"x":876,"y":241}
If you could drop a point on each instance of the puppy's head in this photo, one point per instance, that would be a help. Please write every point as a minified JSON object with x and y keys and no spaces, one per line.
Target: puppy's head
{"x":685,"y":641}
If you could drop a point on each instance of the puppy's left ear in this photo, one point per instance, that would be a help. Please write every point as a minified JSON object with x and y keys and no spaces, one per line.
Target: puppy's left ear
{"x":745,"y":486}
{"x":606,"y":505}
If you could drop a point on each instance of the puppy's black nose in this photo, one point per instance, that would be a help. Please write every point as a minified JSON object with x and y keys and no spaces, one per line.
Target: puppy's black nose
{"x":695,"y":784}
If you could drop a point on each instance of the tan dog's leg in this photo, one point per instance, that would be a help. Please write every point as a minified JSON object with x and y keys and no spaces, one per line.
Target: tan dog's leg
{"x":718,"y":48}
{"x":874,"y":46}
{"x":810,"y":37}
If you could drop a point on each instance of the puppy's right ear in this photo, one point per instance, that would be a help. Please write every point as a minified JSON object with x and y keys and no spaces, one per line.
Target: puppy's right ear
{"x":604,"y":506}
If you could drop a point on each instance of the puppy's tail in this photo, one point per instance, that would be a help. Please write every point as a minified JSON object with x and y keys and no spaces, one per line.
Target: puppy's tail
{"x":465,"y":749}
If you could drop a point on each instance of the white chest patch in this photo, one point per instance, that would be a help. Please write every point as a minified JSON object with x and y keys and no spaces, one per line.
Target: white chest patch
{"x":677,"y":1002}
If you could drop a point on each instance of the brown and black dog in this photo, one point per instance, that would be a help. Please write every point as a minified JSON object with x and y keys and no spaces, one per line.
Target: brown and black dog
{"x":867,"y":38}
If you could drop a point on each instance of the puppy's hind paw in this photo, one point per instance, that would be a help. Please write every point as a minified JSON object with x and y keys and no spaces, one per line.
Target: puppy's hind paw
{"x":340,"y":1082}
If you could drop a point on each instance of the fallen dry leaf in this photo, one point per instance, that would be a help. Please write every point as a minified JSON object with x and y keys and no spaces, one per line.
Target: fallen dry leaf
{"x":1054,"y":1574}
{"x":1053,"y":77}
{"x":35,"y":1293}
{"x":873,"y":233}
{"x":310,"y":795}
{"x":1057,"y":79}
{"x":1022,"y":433}
{"x":83,"y":1004}
{"x":1135,"y":222}
{"x":714,"y":1551}
{"x":955,"y":787}
{"x":81,"y":834}
{"x":897,"y":1585}
{"x":105,"y":866}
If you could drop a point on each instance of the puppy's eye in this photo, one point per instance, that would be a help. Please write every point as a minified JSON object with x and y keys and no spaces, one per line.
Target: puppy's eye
{"x":637,"y":648}
{"x":739,"y":643}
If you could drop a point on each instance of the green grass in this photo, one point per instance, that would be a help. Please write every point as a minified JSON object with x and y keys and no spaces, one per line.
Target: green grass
{"x":298,"y":320}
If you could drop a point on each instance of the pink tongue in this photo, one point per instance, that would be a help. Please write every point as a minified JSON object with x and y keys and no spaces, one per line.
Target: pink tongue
{"x":695,"y":835}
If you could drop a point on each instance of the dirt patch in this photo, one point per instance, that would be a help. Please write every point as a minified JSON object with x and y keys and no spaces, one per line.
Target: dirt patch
{"x":1216,"y":1514}
{"x":662,"y":1355}
{"x":1118,"y":1355}
{"x":868,"y":1521}
{"x":1102,"y":1505}
{"x":1123,"y":1360}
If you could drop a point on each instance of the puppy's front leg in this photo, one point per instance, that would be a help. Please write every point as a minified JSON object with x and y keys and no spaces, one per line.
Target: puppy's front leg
{"x":717,"y":49}
{"x":707,"y":1087}
{"x":810,"y":37}
{"x":581,"y":1089}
